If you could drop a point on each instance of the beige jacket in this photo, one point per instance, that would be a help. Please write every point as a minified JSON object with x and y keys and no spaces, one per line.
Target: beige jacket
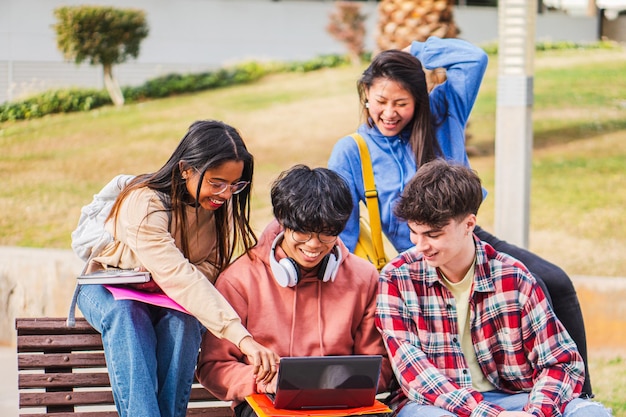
{"x":142,"y":238}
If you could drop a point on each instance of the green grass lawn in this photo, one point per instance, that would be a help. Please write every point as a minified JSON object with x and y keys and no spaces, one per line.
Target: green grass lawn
{"x":52,"y":166}
{"x":608,"y":376}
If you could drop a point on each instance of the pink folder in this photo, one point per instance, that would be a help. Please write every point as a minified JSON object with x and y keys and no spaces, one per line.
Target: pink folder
{"x":154,"y":298}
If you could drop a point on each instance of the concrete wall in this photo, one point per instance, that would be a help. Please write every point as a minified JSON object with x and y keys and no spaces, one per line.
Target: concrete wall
{"x":198,"y":35}
{"x":34,"y":283}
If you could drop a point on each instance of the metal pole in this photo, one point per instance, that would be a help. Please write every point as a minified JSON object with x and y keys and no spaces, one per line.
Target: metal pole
{"x":514,"y":138}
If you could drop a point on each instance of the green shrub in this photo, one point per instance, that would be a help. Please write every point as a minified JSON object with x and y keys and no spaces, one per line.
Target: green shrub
{"x":492,"y":48}
{"x":54,"y":101}
{"x":65,"y":101}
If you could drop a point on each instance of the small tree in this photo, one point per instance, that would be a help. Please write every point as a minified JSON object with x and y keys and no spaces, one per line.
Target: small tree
{"x":347,"y":26}
{"x":101,"y":35}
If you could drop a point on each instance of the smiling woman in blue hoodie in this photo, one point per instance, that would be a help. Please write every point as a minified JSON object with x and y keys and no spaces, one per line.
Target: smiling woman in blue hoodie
{"x":407,"y":126}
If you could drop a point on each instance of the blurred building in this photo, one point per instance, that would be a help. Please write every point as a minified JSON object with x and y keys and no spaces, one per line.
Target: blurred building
{"x":198,"y":35}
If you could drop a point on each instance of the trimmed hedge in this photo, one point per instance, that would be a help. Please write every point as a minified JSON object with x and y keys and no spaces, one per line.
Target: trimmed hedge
{"x":72,"y":100}
{"x":54,"y":101}
{"x":75,"y":99}
{"x":492,"y":48}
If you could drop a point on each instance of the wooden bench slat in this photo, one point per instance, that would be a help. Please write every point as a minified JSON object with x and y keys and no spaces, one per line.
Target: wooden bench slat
{"x":61,"y":342}
{"x":89,"y":380}
{"x":103,"y":397}
{"x":61,"y":360}
{"x":210,"y":411}
{"x":63,"y":380}
{"x":78,"y":414}
{"x":39,"y":399}
{"x":198,"y":393}
{"x":52,"y":325}
{"x":49,"y":353}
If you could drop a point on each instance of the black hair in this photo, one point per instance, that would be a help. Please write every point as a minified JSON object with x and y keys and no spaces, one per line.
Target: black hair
{"x":206,"y":145}
{"x":311,"y":200}
{"x":438,"y":192}
{"x":406,"y":70}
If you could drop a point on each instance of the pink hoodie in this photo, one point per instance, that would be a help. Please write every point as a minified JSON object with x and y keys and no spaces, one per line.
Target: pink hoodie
{"x":311,"y":319}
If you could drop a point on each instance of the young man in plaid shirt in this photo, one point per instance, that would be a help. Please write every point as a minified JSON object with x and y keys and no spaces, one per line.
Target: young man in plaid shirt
{"x":468,"y":330}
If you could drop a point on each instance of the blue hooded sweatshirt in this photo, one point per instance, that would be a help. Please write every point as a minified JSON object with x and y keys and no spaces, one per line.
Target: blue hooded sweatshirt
{"x":392,"y":157}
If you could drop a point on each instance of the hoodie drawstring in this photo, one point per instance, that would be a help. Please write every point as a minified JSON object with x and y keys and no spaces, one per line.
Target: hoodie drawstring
{"x":293,"y":320}
{"x":319,"y":316}
{"x":319,"y":319}
{"x":400,"y":167}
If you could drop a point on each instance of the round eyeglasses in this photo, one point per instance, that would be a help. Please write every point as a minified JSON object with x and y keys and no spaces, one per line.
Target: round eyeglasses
{"x":303,"y":237}
{"x":218,"y":187}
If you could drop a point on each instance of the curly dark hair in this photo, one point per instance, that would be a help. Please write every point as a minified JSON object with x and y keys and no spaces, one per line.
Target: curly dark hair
{"x":311,"y":200}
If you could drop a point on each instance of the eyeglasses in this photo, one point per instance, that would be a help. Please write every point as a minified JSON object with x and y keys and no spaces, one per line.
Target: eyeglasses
{"x":303,"y":237}
{"x":218,"y":187}
{"x":221,"y":186}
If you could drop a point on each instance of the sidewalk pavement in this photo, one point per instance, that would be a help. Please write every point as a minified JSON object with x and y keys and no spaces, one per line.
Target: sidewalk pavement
{"x":8,"y":382}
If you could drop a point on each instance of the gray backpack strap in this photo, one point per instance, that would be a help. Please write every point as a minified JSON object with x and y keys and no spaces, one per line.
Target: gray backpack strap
{"x":71,"y":315}
{"x":104,"y":240}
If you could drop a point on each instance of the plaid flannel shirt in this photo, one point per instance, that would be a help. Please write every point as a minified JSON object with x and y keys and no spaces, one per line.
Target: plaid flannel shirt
{"x":520,"y":344}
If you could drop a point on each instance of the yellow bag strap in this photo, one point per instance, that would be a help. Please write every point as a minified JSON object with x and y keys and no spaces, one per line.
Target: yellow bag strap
{"x":371,"y":198}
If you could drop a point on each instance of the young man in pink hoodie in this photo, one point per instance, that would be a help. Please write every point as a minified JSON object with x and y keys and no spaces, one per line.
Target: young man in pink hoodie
{"x":299,"y":292}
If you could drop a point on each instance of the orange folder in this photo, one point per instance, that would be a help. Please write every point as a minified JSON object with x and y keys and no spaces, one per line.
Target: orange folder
{"x":264,"y":408}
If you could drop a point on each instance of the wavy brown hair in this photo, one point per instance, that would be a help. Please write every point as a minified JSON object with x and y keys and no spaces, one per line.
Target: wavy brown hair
{"x":439,"y":192}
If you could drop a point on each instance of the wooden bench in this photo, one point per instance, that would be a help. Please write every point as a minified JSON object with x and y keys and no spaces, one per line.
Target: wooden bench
{"x":62,"y":373}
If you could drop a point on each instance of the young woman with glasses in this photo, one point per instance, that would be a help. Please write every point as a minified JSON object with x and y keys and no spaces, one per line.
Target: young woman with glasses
{"x":183,"y":224}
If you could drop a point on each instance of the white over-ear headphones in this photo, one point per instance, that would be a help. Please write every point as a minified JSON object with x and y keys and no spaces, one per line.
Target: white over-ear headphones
{"x":287,"y":271}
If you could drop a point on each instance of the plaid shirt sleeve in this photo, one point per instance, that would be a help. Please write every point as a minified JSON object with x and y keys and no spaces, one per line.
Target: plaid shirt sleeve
{"x":558,"y":369}
{"x":527,"y":348}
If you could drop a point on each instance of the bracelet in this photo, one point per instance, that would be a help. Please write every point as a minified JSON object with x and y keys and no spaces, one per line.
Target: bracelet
{"x":242,"y":339}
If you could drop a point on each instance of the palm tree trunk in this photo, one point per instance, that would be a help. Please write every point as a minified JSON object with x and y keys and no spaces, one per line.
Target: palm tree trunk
{"x":403,"y":21}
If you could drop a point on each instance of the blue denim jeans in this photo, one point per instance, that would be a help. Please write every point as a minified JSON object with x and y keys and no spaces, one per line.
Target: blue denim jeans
{"x":578,"y":407}
{"x":151,"y":352}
